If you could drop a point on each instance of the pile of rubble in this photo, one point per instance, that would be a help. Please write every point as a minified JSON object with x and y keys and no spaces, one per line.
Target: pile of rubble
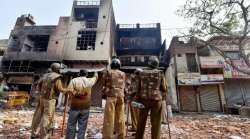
{"x":16,"y":124}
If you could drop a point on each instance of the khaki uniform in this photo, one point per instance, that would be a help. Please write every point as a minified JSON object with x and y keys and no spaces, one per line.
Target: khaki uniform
{"x":49,"y":85}
{"x":134,"y":84}
{"x":114,"y":109}
{"x":151,"y":93}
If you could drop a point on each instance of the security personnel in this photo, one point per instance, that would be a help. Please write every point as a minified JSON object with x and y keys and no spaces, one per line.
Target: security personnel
{"x":151,"y":92}
{"x":114,"y":108}
{"x":49,"y":85}
{"x":37,"y":117}
{"x":133,"y":91}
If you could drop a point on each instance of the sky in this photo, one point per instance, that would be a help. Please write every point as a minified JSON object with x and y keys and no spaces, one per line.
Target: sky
{"x":47,"y":12}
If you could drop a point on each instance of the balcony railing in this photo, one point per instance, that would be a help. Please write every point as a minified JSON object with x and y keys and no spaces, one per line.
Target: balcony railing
{"x":87,"y":3}
{"x":131,"y":26}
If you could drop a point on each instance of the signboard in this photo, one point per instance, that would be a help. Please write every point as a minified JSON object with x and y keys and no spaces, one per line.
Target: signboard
{"x":212,"y":78}
{"x":212,"y":62}
{"x":228,"y":47}
{"x":189,"y":78}
{"x":230,"y":72}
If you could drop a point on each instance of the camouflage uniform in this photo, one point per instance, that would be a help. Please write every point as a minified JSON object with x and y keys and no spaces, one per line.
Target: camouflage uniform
{"x":114,"y":109}
{"x":152,"y":91}
{"x":49,"y":85}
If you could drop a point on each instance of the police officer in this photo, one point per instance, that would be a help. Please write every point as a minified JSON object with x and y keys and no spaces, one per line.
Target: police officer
{"x":49,"y":85}
{"x":152,"y":91}
{"x":114,"y":108}
{"x":133,"y":91}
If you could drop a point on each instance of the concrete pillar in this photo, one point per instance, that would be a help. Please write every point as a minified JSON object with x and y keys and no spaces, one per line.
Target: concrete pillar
{"x":198,"y":100}
{"x":222,"y":96}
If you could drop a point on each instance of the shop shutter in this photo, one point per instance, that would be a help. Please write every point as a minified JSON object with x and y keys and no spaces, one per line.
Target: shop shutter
{"x":246,"y":85}
{"x":209,"y":97}
{"x":188,"y":99}
{"x":233,"y":92}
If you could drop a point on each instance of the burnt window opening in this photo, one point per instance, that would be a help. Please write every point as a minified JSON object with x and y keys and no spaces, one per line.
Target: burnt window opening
{"x":191,"y":62}
{"x":14,"y":42}
{"x":138,"y":42}
{"x":125,"y":60}
{"x":1,"y":52}
{"x":179,"y":55}
{"x":83,"y":14}
{"x":36,"y":43}
{"x":86,"y":40}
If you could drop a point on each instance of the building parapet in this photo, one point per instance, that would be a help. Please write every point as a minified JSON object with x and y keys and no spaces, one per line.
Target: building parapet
{"x":133,"y":26}
{"x":87,"y":3}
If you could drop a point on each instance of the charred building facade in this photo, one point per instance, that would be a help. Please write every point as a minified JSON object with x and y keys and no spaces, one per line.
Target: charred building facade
{"x":135,"y":43}
{"x":83,"y":40}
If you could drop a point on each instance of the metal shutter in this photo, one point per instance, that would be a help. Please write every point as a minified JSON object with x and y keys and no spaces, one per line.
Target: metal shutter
{"x":233,"y":92}
{"x":246,"y":85}
{"x":188,"y":99}
{"x":209,"y":97}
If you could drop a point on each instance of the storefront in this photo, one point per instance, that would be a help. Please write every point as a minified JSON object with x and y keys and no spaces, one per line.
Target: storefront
{"x":237,"y":86}
{"x":212,"y":93}
{"x":201,"y":93}
{"x":188,"y":84}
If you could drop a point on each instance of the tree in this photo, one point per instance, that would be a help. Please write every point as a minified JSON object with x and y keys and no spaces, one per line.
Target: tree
{"x":230,"y":18}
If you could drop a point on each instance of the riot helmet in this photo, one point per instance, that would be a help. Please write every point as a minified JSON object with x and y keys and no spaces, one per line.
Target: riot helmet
{"x":115,"y":63}
{"x":153,"y":62}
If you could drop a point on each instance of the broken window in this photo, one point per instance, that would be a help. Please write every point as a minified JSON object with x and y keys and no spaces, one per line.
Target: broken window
{"x":1,"y":52}
{"x":36,"y":43}
{"x":14,"y":43}
{"x":82,"y":14}
{"x":191,"y":62}
{"x":86,"y":40}
{"x":126,"y":60}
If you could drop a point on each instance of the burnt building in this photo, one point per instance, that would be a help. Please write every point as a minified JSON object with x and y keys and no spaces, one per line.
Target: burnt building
{"x":3,"y":47}
{"x":83,"y":40}
{"x":195,"y":77}
{"x":135,"y":43}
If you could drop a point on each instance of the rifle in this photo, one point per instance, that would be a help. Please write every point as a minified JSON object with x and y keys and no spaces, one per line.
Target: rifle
{"x":128,"y":101}
{"x":169,"y":130}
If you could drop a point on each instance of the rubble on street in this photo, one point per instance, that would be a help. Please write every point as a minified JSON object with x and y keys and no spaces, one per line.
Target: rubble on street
{"x":15,"y":124}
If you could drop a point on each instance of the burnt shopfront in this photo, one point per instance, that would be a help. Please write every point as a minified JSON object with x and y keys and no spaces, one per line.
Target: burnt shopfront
{"x":200,"y":93}
{"x":237,"y":87}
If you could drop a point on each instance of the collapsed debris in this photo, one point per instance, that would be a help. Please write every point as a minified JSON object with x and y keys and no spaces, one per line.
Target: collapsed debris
{"x":16,"y":124}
